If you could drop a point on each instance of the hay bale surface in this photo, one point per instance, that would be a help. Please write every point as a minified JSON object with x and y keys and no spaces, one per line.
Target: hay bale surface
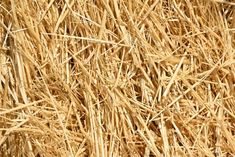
{"x":117,"y":78}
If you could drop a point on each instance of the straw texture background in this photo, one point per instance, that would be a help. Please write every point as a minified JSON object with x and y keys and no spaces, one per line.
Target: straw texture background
{"x":117,"y":78}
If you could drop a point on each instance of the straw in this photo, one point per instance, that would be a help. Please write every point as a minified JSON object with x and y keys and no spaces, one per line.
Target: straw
{"x":117,"y":78}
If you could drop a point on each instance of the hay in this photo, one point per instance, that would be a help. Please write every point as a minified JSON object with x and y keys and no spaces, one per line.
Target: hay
{"x":117,"y":78}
